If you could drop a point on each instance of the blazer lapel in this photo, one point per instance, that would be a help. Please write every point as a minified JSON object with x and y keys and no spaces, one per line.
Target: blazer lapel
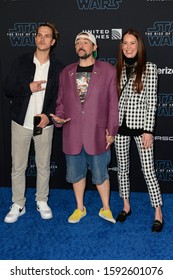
{"x":124,"y":77}
{"x":72,"y":78}
{"x":93,"y":80}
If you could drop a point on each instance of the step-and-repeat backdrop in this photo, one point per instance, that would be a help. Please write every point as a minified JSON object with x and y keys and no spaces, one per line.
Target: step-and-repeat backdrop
{"x":107,"y":20}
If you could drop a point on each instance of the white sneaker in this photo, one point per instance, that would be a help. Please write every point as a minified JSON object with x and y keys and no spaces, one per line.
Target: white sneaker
{"x":44,"y":209}
{"x":15,"y":212}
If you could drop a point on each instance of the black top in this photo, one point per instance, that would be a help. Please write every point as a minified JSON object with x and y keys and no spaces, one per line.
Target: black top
{"x":85,"y":68}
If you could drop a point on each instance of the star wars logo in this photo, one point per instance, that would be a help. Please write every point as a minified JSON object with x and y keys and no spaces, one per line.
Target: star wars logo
{"x":164,"y":170}
{"x":165,"y":105}
{"x":32,"y":170}
{"x":22,"y":34}
{"x":161,"y":34}
{"x":98,"y":4}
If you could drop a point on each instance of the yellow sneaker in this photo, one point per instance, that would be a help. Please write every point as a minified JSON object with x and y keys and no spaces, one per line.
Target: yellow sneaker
{"x":107,"y":215}
{"x":77,"y":216}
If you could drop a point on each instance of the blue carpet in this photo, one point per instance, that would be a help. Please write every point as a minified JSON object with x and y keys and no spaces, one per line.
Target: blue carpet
{"x":32,"y":238}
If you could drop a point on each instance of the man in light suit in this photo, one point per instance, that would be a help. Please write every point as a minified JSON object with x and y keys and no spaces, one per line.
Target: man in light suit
{"x":87,"y":105}
{"x":32,"y":85}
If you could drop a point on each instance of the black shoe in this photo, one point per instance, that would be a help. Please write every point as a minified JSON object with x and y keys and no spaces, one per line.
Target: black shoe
{"x":122,"y":216}
{"x":157,"y":226}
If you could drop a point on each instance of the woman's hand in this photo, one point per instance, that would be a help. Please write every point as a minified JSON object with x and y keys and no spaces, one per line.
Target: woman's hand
{"x":147,"y":140}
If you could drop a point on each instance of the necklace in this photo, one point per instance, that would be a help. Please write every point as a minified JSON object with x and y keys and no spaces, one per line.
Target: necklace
{"x":130,"y":65}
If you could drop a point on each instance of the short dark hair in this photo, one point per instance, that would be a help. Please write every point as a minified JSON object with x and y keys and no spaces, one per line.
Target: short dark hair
{"x":55,"y":33}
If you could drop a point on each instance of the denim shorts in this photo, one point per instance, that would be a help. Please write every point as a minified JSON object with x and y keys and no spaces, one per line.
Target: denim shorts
{"x":78,"y":165}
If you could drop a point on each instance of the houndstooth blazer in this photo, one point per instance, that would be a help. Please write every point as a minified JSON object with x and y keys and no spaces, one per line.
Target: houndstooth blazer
{"x":139,"y":108}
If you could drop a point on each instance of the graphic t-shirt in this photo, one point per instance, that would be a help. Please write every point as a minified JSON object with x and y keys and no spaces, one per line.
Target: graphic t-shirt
{"x":82,"y":80}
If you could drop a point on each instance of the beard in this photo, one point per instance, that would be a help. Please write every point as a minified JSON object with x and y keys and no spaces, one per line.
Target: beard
{"x":85,"y":55}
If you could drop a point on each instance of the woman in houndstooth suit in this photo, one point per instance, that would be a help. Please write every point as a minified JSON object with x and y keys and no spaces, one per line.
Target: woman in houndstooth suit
{"x":137,"y":85}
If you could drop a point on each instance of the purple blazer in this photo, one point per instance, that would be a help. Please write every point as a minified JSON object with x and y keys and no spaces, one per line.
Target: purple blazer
{"x":89,"y":121}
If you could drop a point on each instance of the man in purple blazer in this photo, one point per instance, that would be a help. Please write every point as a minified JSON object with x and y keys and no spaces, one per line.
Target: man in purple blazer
{"x":87,"y":106}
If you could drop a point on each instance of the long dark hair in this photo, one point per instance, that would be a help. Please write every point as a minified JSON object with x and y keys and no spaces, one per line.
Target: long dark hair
{"x":141,"y":61}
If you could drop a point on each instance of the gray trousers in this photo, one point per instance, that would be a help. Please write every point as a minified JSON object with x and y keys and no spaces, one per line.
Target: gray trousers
{"x":122,"y":148}
{"x":21,"y":141}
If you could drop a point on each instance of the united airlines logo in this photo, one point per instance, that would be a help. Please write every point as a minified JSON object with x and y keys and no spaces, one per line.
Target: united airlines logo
{"x":22,"y":34}
{"x":32,"y":170}
{"x":106,"y":34}
{"x":164,"y":170}
{"x":165,"y":105}
{"x":116,"y":34}
{"x":98,"y":4}
{"x":161,"y":34}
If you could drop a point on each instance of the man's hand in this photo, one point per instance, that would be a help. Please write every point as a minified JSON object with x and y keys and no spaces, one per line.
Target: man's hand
{"x":60,"y":121}
{"x":44,"y":120}
{"x":37,"y":86}
{"x":109,"y":139}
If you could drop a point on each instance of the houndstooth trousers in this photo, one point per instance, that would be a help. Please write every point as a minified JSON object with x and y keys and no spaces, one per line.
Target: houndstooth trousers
{"x":122,"y":148}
